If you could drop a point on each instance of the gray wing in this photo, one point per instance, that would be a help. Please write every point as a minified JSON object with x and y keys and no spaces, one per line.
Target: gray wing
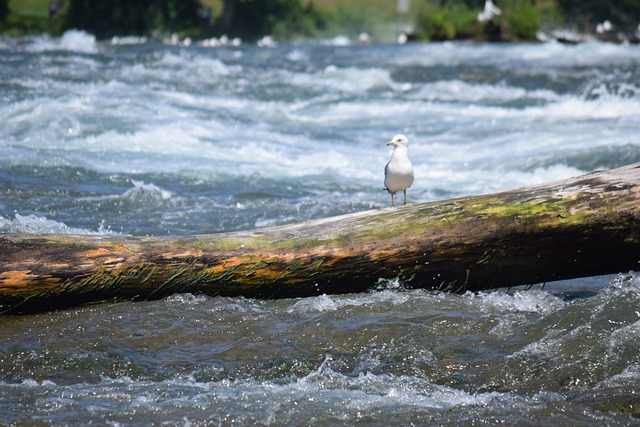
{"x":386,"y":167}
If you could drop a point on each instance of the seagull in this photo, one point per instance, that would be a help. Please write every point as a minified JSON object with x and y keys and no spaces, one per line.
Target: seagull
{"x":490,"y":10}
{"x":398,"y":174}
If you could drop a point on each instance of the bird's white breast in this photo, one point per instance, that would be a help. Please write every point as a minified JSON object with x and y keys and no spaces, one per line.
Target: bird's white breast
{"x":399,"y":171}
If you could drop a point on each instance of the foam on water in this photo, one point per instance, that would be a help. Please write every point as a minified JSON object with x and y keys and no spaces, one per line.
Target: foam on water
{"x":630,"y":376}
{"x":175,"y":139}
{"x":321,"y":123}
{"x":71,"y":40}
{"x":78,"y":41}
{"x":40,"y":224}
{"x":323,"y":393}
{"x":335,"y":359}
{"x":592,"y":54}
{"x":326,"y":303}
{"x":587,"y":341}
{"x":197,"y":71}
{"x":609,"y":107}
{"x":349,"y":80}
{"x":128,"y":40}
{"x":144,"y":195}
{"x":462,"y":92}
{"x":521,"y":301}
{"x":334,"y":383}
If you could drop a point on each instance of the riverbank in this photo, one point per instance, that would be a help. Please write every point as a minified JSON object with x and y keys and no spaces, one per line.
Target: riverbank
{"x":364,"y":21}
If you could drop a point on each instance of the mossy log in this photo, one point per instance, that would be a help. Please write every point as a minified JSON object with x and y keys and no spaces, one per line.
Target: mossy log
{"x":583,"y":226}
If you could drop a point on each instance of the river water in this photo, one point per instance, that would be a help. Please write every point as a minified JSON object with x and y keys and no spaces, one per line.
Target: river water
{"x":143,"y":138}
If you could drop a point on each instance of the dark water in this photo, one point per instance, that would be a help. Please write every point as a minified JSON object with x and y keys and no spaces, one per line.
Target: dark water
{"x":144,"y":138}
{"x":391,"y":357}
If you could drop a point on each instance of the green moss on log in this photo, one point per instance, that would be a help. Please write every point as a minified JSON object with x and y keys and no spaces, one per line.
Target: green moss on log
{"x":583,"y":226}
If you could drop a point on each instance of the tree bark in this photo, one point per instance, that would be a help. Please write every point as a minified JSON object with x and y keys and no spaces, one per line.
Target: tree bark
{"x":583,"y":226}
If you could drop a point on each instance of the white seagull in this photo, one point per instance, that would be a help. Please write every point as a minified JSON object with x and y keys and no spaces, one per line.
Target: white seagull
{"x":490,"y":10}
{"x":398,"y":174}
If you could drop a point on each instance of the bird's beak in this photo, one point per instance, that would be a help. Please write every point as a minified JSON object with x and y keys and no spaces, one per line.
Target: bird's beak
{"x":390,"y":143}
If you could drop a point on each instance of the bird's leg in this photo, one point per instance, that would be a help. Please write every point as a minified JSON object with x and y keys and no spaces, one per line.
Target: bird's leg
{"x":405,"y":197}
{"x":392,"y":205}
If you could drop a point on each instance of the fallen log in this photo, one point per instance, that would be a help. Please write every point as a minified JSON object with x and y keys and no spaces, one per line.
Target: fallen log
{"x":583,"y":226}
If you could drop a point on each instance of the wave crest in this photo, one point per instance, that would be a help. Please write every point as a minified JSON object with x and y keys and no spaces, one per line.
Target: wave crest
{"x":34,"y":224}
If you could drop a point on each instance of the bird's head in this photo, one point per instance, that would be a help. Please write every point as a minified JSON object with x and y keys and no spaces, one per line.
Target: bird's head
{"x":399,"y":140}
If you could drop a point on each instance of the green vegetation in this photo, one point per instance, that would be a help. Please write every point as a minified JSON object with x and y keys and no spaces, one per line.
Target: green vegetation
{"x":252,"y":19}
{"x":19,"y":17}
{"x":4,"y":10}
{"x":285,"y":19}
{"x":585,"y":14}
{"x":522,"y":19}
{"x":448,"y":21}
{"x":139,"y":17}
{"x":457,"y":19}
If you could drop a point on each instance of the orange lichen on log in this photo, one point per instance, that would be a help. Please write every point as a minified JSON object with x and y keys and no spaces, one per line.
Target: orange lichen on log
{"x":18,"y":278}
{"x":94,"y":253}
{"x":581,"y":226}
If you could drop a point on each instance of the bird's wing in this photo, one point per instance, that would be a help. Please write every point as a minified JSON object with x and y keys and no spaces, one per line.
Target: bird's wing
{"x":386,"y":168}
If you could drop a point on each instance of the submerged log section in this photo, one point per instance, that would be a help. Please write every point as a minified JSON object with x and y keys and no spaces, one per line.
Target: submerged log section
{"x":582,"y":226}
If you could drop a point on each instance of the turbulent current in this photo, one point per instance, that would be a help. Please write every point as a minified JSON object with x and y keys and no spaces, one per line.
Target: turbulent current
{"x":133,"y":136}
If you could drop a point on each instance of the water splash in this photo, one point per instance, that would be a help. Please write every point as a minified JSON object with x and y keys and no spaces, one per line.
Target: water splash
{"x":40,"y":224}
{"x":72,"y":40}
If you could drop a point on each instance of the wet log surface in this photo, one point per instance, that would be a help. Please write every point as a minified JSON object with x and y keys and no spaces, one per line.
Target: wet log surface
{"x":583,"y":226}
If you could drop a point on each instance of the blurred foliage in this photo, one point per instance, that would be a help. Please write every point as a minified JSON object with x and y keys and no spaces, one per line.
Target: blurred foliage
{"x":348,"y":19}
{"x":448,"y":20}
{"x":4,"y":10}
{"x":285,"y":19}
{"x":251,"y":19}
{"x":550,"y":15}
{"x":521,"y":20}
{"x":136,"y":17}
{"x":30,"y":17}
{"x":457,"y":19}
{"x":586,"y":14}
